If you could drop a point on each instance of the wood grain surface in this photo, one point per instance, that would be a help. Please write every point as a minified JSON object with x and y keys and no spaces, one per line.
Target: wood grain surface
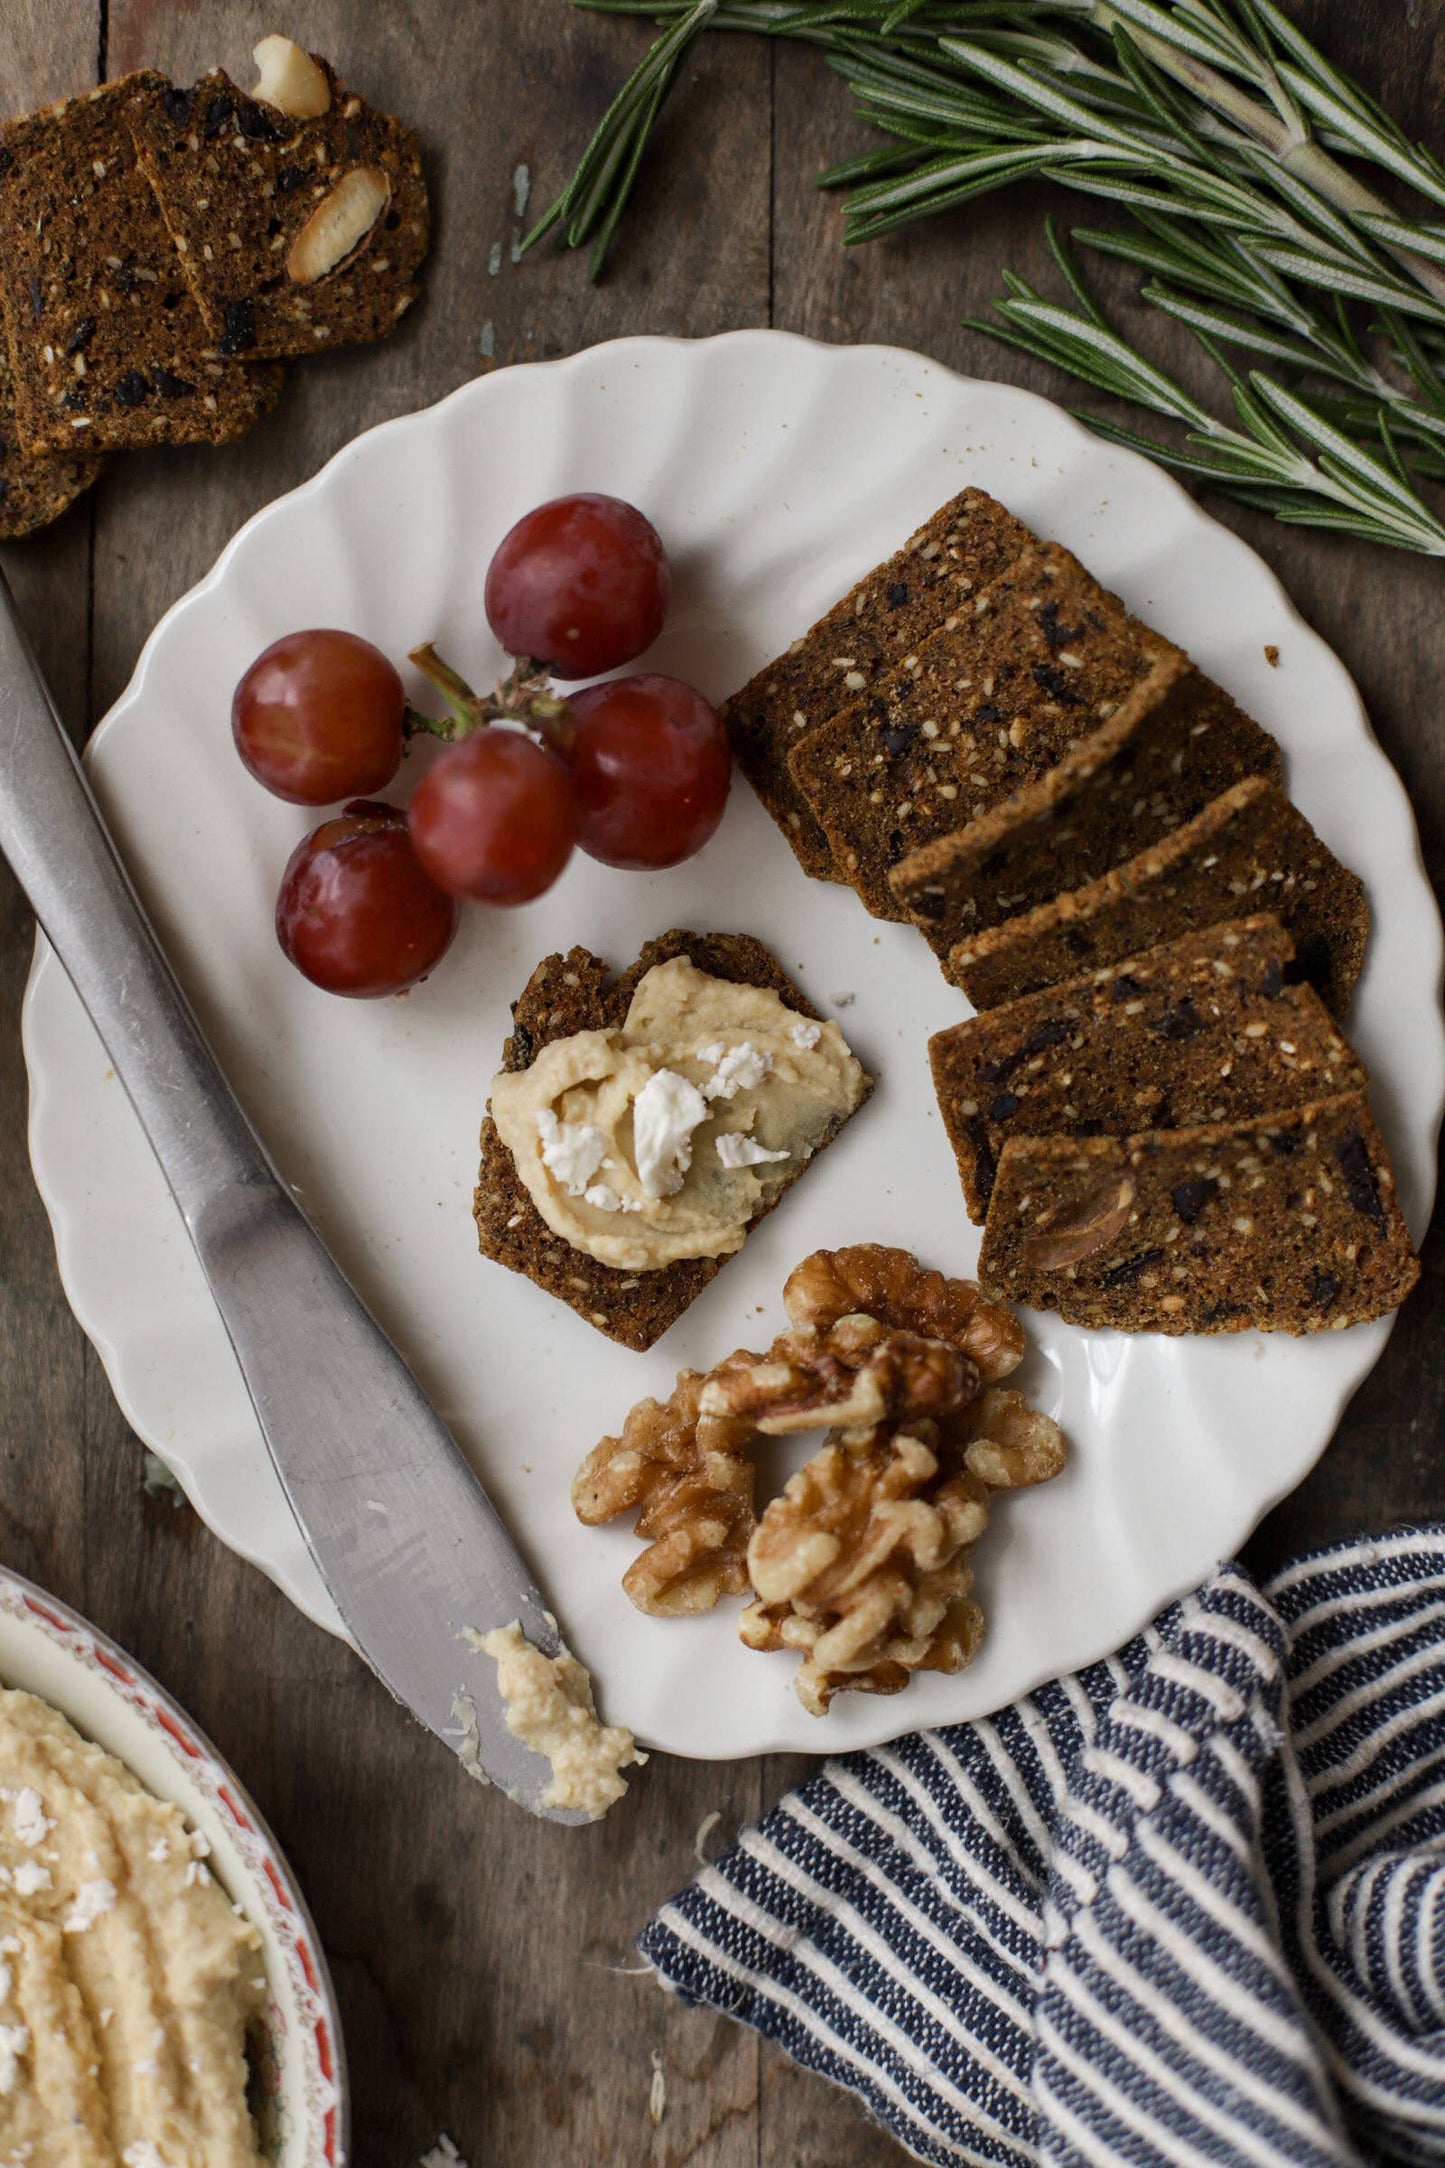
{"x":483,"y":1960}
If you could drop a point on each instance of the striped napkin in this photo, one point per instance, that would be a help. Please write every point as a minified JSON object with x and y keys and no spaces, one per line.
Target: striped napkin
{"x":1184,"y":1907}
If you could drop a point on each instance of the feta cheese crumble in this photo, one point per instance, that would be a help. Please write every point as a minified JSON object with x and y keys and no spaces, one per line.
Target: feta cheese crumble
{"x":572,"y":1151}
{"x":736,"y":1150}
{"x":92,"y":1899}
{"x":32,"y":1823}
{"x":664,"y":1115}
{"x":604,"y":1198}
{"x":805,"y":1034}
{"x":741,"y":1069}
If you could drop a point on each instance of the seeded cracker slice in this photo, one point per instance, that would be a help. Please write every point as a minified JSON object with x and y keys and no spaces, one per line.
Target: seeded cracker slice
{"x":34,"y":490}
{"x":1285,"y":1223}
{"x":990,"y":701}
{"x":1204,"y":1029}
{"x":239,"y":181}
{"x":571,"y":993}
{"x":1249,"y":850}
{"x":1174,"y":744}
{"x":967,"y":543}
{"x":107,"y":349}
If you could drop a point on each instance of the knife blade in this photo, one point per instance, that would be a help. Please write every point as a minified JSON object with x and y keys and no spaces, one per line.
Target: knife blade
{"x":401,"y":1530}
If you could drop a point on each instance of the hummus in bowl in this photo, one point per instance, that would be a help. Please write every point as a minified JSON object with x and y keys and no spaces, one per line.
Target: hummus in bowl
{"x":163,"y":1997}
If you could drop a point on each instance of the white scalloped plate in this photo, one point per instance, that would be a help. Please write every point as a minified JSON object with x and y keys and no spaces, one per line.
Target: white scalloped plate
{"x":50,"y":1650}
{"x":777,"y":471}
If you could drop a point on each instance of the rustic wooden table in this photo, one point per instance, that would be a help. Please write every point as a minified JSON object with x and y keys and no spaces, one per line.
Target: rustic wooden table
{"x":482,"y":1958}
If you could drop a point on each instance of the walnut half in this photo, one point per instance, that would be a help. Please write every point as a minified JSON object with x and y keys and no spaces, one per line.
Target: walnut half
{"x":906,"y":1296}
{"x":863,"y":1565}
{"x":864,"y":1562}
{"x":692,"y":1476}
{"x":854,"y":1376}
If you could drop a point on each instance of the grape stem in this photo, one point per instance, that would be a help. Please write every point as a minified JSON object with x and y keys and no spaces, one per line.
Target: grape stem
{"x":522,"y":697}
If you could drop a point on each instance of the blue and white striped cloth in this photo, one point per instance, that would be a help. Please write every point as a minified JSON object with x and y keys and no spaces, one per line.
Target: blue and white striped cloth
{"x":1184,"y":1907}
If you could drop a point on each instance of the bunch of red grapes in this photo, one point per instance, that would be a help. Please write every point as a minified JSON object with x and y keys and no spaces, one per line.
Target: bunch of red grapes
{"x":633,"y":771}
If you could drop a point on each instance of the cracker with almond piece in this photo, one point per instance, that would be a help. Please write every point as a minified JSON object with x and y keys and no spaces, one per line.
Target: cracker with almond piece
{"x":1285,"y":1222}
{"x":300,"y":225}
{"x":107,"y":349}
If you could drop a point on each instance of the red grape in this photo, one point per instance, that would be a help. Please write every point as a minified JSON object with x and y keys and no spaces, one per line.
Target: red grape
{"x":581,"y":584}
{"x":493,"y":818}
{"x":356,"y":913}
{"x":650,"y":770}
{"x":318,"y":717}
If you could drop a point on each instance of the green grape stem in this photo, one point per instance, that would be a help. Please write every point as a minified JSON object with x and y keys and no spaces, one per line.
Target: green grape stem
{"x":523,"y":698}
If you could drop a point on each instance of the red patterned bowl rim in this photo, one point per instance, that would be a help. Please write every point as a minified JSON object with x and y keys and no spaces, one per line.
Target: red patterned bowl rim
{"x":324,"y":2111}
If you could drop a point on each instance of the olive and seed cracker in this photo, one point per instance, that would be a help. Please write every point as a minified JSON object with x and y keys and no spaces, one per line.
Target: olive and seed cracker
{"x":863,"y":638}
{"x":295,"y":231}
{"x":1007,"y":684}
{"x":1250,"y":850}
{"x":1207,"y":1028}
{"x":1284,"y":1222}
{"x":35,"y":488}
{"x":107,"y":349}
{"x":1173,"y":745}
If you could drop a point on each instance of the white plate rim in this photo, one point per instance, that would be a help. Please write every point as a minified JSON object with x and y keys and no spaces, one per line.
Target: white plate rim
{"x":1426,"y":929}
{"x":50,"y":1649}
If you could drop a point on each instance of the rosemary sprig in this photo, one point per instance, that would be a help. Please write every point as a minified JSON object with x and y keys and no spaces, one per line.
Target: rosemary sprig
{"x":1287,"y":455}
{"x":1219,"y":130}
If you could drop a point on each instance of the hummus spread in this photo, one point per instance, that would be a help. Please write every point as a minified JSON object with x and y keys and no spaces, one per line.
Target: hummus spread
{"x":550,"y":1709}
{"x":664,"y":1139}
{"x":127,"y":1979}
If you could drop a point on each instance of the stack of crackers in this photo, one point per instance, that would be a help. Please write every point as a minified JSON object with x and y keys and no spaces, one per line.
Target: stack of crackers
{"x":164,"y":250}
{"x":1154,"y":1113}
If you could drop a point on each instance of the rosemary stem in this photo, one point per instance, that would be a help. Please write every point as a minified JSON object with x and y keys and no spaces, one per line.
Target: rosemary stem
{"x":1299,"y":152}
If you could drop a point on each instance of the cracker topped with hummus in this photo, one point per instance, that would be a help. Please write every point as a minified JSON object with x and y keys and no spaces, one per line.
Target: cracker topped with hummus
{"x":128,"y":1980}
{"x":640,"y":1126}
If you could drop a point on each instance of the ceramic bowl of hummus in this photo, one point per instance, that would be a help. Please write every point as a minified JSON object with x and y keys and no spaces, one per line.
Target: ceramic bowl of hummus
{"x":163,"y":1994}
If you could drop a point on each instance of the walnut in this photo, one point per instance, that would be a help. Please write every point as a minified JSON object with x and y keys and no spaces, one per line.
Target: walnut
{"x":855,"y":1376}
{"x":954,"y":1643}
{"x":863,"y":1564}
{"x":892,"y":1286}
{"x":692,"y":1476}
{"x":1010,"y":1445}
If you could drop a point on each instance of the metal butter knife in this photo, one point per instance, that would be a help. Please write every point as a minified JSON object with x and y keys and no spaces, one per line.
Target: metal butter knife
{"x":403,"y":1534}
